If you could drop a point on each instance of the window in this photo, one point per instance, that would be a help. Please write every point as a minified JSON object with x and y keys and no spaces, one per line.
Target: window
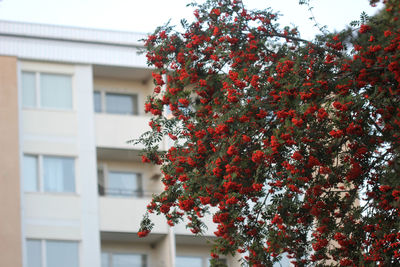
{"x":51,"y":253}
{"x":28,"y":89}
{"x":45,"y":90}
{"x":125,"y":184}
{"x":115,"y":103}
{"x":123,"y":260}
{"x":285,"y":261}
{"x":120,"y":104}
{"x":97,"y":101}
{"x":48,"y":174}
{"x":34,"y":253}
{"x":55,"y":91}
{"x":182,"y":261}
{"x":58,"y":174}
{"x":194,"y":261}
{"x":30,"y":173}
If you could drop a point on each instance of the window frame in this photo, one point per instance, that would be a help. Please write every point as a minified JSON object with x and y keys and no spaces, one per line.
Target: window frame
{"x":43,"y":249}
{"x":103,"y":102}
{"x":40,"y":173}
{"x":38,"y":102}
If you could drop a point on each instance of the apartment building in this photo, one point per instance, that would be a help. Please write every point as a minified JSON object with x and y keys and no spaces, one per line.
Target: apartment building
{"x":72,"y":190}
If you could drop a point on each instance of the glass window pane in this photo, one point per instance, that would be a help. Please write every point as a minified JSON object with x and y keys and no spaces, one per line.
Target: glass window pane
{"x":34,"y":253}
{"x":285,"y":261}
{"x":62,"y":254}
{"x":58,"y":174}
{"x":105,"y":260}
{"x":127,"y":260}
{"x":30,"y":173}
{"x":101,"y":181}
{"x":122,"y":184}
{"x":188,"y":261}
{"x":55,"y":91}
{"x":28,"y":84}
{"x":120,"y":104}
{"x":97,"y":101}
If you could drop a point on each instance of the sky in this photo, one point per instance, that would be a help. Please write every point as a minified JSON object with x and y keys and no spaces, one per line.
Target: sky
{"x":145,"y":15}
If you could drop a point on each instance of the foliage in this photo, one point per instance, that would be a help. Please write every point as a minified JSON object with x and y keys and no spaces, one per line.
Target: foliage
{"x":292,"y":146}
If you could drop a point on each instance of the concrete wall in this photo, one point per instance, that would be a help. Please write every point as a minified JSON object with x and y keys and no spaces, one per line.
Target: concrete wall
{"x":65,"y":216}
{"x":52,"y":216}
{"x":87,"y":167}
{"x":10,"y":208}
{"x":49,"y":132}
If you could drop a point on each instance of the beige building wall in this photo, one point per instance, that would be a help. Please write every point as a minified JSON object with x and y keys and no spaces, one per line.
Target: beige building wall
{"x":10,"y":208}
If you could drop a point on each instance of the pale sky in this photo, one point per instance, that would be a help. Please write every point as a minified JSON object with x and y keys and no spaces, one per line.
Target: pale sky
{"x":146,"y":15}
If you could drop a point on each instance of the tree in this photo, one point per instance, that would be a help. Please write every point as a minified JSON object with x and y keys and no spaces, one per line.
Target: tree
{"x":292,"y":145}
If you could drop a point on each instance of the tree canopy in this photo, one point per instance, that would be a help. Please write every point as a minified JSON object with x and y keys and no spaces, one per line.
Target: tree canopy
{"x":292,"y":145}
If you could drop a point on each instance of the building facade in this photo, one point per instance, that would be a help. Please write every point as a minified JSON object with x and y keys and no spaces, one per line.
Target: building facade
{"x":73,"y":191}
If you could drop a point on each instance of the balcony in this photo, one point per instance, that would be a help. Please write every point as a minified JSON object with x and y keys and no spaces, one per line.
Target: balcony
{"x":114,"y":131}
{"x":123,"y":215}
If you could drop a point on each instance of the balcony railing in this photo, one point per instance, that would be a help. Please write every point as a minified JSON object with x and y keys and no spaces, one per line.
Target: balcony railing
{"x":123,"y":192}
